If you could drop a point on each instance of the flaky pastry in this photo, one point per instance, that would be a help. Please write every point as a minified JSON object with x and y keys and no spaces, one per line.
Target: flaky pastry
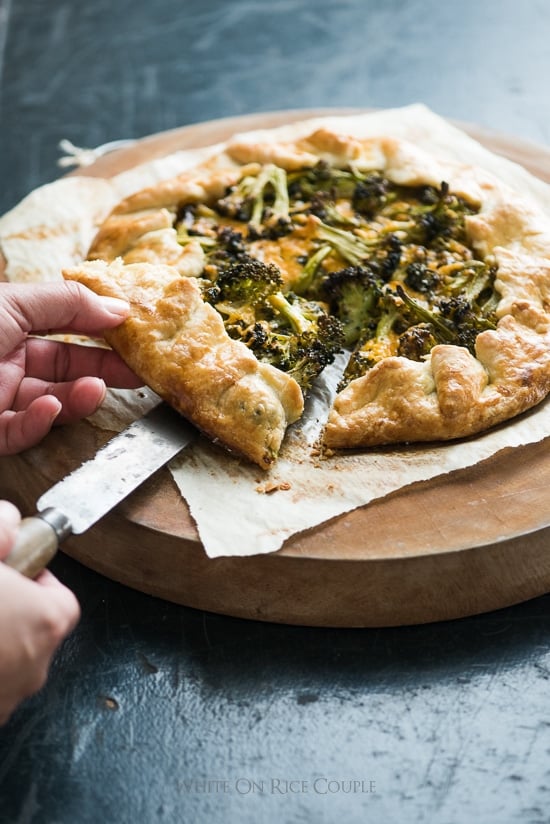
{"x":181,"y":344}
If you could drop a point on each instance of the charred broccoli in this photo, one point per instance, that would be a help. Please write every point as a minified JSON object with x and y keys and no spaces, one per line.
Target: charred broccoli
{"x":352,"y":294}
{"x":261,"y":201}
{"x":416,"y":342}
{"x":288,"y":331}
{"x":421,"y":278}
{"x":242,"y":284}
{"x":322,"y":180}
{"x":467,"y":324}
{"x":381,"y":336}
{"x":373,"y":265}
{"x":452,"y":320}
{"x":439,"y":217}
{"x":474,"y":281}
{"x":371,"y":195}
{"x":302,"y":354}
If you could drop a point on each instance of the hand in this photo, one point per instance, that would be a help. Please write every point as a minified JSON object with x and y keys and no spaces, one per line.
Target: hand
{"x":42,"y":381}
{"x":35,"y":616}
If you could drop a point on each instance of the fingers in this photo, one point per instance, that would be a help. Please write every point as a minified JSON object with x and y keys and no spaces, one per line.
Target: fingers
{"x":10,"y":519}
{"x":54,"y":395}
{"x":35,"y":616}
{"x":78,"y":398}
{"x":36,"y":412}
{"x":54,"y":307}
{"x":21,"y":430}
{"x":57,"y":361}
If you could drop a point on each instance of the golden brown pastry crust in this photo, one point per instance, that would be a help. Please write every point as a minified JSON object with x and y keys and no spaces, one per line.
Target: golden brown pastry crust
{"x":453,"y":394}
{"x":178,"y":345}
{"x":450,"y":394}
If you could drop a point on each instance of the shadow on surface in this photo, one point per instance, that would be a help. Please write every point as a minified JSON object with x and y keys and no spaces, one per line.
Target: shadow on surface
{"x":123,"y":624}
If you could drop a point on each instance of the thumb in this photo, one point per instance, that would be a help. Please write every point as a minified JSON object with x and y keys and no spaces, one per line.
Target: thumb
{"x":10,"y":519}
{"x":47,"y":307}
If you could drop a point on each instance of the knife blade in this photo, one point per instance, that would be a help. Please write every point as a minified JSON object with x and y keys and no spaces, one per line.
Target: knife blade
{"x":79,"y":500}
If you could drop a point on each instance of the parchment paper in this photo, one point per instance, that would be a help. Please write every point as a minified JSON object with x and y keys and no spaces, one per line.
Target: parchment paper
{"x":238,"y":508}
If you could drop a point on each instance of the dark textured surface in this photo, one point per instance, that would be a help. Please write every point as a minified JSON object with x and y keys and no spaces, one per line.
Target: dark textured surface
{"x":158,"y":713}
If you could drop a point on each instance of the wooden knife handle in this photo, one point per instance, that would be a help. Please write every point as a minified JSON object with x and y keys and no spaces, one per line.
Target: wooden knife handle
{"x":35,"y":546}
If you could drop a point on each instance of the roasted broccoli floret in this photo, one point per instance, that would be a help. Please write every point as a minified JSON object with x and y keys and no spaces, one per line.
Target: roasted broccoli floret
{"x":352,"y":294}
{"x":245,"y":279}
{"x":383,"y":253}
{"x":238,"y":201}
{"x":451,"y":320}
{"x":295,"y":342}
{"x":315,"y":350}
{"x":416,"y":342}
{"x":261,"y":201}
{"x":298,"y":313}
{"x":381,"y":337}
{"x":439,"y":218}
{"x":197,"y":222}
{"x":474,"y":281}
{"x":460,"y":314}
{"x":387,"y":257}
{"x":231,"y":241}
{"x":371,"y":195}
{"x":242,"y":284}
{"x":322,"y":206}
{"x":389,"y":318}
{"x":228,"y":249}
{"x":357,"y":366}
{"x":298,"y":337}
{"x":321,"y":180}
{"x":421,"y":278}
{"x":442,"y":331}
{"x":288,"y":331}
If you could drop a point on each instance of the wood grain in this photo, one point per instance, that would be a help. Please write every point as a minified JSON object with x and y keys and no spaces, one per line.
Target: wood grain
{"x":465,"y":543}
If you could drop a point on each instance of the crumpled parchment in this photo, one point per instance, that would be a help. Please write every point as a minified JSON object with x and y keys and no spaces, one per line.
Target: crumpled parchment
{"x":238,"y":508}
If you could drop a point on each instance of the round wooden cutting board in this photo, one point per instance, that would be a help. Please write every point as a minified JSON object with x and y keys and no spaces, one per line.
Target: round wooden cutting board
{"x":464,"y":543}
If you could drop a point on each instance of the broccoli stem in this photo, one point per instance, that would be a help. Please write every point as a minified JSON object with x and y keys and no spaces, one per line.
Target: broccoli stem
{"x":384,"y":326}
{"x":471,"y":285}
{"x":183,"y":237}
{"x":310,"y":269}
{"x":349,"y":247}
{"x":274,"y":176}
{"x":293,"y":316}
{"x":425,"y":315}
{"x":281,"y":204}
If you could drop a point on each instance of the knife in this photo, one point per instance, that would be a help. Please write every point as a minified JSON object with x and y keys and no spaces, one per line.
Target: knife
{"x":84,"y":496}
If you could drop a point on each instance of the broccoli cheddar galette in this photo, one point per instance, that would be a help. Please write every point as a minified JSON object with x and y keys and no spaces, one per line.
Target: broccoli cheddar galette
{"x":246,"y":278}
